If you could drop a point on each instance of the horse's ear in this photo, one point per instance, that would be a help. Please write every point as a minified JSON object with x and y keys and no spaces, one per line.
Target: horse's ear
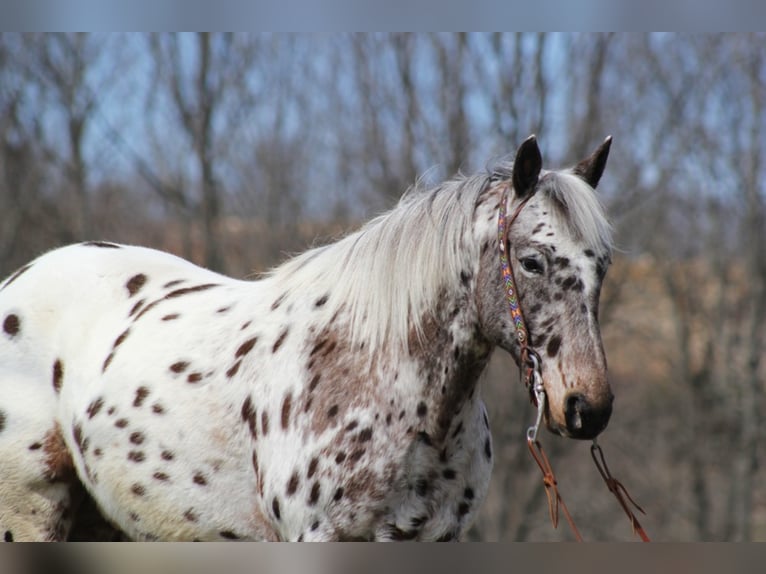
{"x":592,"y":167}
{"x":526,"y":167}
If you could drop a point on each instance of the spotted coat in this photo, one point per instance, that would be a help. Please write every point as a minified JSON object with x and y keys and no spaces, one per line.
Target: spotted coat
{"x":192,"y":406}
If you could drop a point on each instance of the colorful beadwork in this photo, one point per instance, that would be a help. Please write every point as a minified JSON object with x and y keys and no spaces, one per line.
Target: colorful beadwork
{"x":510,"y":285}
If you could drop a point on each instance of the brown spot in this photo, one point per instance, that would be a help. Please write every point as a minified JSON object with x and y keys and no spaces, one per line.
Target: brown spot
{"x":249,"y":416}
{"x":158,"y":408}
{"x":58,"y":462}
{"x":135,"y":283}
{"x":95,"y":407}
{"x":171,"y":317}
{"x":356,"y":455}
{"x":275,"y":508}
{"x":174,"y":294}
{"x":179,"y":366}
{"x":365,"y":435}
{"x":352,"y":425}
{"x":141,"y":394}
{"x":233,"y":369}
{"x":265,"y":423}
{"x":107,"y":362}
{"x":312,"y":467}
{"x":18,"y":273}
{"x":246,"y":347}
{"x":77,"y":434}
{"x":569,"y":282}
{"x":137,"y":437}
{"x":137,"y":307}
{"x":318,"y":347}
{"x":286,"y":406}
{"x":121,"y":423}
{"x":488,"y":448}
{"x":121,"y":338}
{"x":223,"y":310}
{"x":228,"y":534}
{"x":200,"y":479}
{"x":338,"y":494}
{"x":58,"y":375}
{"x":280,"y":340}
{"x":136,"y":456}
{"x":340,"y":457}
{"x":292,"y":484}
{"x":468,"y":493}
{"x":332,"y":411}
{"x":33,"y":446}
{"x":167,"y":455}
{"x":449,"y":473}
{"x":191,"y":516}
{"x":314,"y":495}
{"x":161,"y":476}
{"x":330,"y":348}
{"x":12,"y":325}
{"x":321,"y":301}
{"x":188,"y":290}
{"x":173,"y":283}
{"x":103,"y":244}
{"x":422,"y":409}
{"x":138,"y":489}
{"x":314,"y":382}
{"x":194,"y":378}
{"x":552,"y":348}
{"x":463,"y":509}
{"x":278,"y":301}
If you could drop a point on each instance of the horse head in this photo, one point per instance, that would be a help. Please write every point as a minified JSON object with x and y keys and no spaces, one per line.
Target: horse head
{"x":558,"y":244}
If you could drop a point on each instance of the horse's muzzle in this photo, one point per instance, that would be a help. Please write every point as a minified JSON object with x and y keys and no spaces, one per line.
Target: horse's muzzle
{"x":586,"y":419}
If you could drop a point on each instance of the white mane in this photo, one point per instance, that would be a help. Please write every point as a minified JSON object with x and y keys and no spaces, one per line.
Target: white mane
{"x":388,"y":273}
{"x":578,"y":208}
{"x":391,"y":270}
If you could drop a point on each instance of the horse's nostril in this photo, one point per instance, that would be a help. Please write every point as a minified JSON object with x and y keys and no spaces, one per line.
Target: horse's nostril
{"x":584,"y":420}
{"x":575,"y":406}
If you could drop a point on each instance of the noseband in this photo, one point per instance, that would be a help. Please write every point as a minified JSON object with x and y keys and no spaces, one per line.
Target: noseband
{"x":529,"y":361}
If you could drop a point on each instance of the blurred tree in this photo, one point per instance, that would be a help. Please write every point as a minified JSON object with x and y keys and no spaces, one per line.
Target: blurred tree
{"x":205,"y":83}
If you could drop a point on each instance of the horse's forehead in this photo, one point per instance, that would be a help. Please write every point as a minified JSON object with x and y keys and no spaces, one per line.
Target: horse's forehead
{"x":547,"y":225}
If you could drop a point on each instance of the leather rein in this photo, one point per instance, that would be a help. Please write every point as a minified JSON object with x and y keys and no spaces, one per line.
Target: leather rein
{"x":530,"y":367}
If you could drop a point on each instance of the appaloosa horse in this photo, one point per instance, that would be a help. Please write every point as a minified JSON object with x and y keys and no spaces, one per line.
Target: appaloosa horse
{"x":336,"y":398}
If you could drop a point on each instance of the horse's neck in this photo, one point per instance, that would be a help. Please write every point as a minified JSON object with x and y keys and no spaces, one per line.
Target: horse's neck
{"x":450,"y":354}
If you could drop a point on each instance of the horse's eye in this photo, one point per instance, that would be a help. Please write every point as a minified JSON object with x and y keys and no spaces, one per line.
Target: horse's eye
{"x":532,"y":265}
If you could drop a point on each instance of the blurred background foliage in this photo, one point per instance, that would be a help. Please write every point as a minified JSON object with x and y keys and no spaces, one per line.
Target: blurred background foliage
{"x":237,"y":150}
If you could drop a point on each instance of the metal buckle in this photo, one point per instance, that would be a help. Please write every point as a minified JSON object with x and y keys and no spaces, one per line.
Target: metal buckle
{"x":540,"y":396}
